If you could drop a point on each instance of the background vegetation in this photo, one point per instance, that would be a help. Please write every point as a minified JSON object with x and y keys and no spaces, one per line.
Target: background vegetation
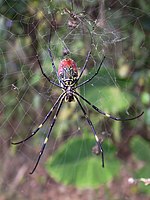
{"x":69,"y":169}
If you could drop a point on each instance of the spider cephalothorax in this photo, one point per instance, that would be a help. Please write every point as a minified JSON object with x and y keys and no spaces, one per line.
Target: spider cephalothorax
{"x":68,"y":81}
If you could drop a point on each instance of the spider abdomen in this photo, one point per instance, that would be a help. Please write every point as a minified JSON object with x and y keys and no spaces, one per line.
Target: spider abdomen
{"x":67,"y":71}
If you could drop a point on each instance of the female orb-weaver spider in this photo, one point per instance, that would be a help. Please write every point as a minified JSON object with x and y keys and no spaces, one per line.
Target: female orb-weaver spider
{"x":68,"y":78}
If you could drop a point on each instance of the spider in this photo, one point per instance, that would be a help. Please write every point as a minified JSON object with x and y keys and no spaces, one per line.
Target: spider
{"x":68,"y":79}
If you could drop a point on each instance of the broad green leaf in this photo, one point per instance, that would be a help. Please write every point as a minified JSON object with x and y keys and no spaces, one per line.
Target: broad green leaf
{"x":74,"y":164}
{"x":141,"y":148}
{"x":110,"y":99}
{"x":105,"y":95}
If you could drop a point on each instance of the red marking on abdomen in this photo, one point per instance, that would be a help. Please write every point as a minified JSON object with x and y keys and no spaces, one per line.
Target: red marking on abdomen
{"x":67,"y":62}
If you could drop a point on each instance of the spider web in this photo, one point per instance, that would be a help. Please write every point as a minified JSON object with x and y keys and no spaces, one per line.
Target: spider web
{"x":73,"y":28}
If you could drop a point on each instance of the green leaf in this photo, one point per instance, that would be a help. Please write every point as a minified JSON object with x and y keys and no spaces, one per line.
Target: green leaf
{"x":105,"y":95}
{"x":141,"y":148}
{"x":110,"y":99}
{"x":117,"y":100}
{"x":74,"y":164}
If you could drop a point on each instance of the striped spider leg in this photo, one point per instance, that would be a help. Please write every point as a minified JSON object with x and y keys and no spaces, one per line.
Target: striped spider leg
{"x":48,"y":134}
